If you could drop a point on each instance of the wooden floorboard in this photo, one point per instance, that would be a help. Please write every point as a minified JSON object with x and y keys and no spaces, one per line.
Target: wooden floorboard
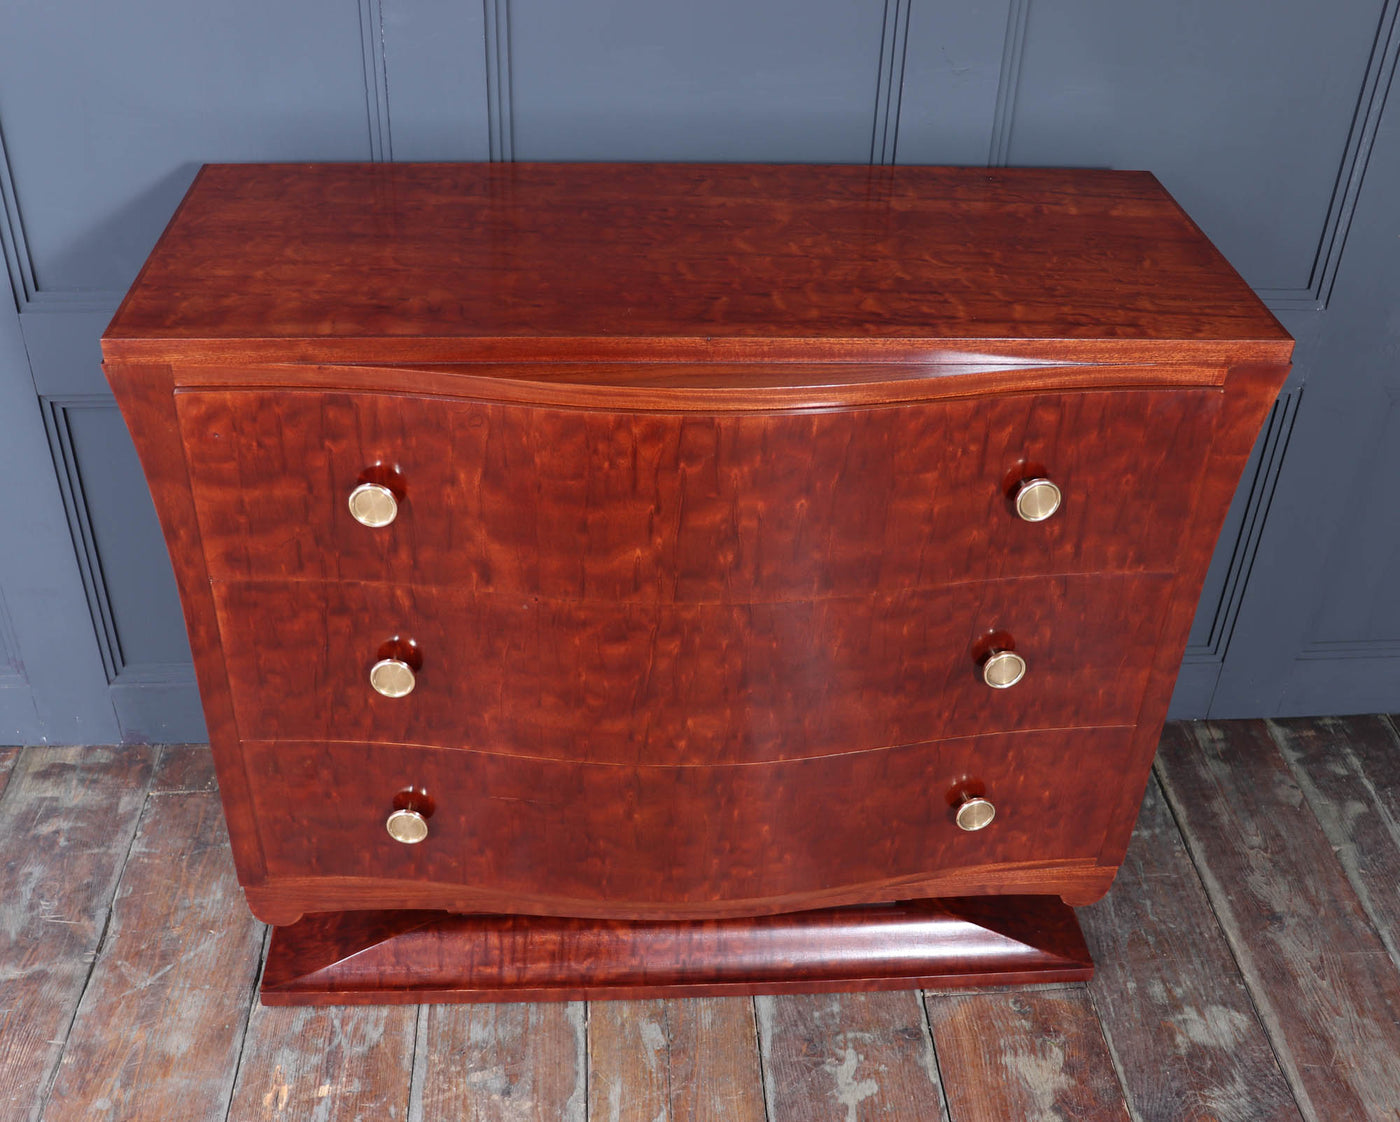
{"x":1319,"y":974}
{"x":1174,"y":1007}
{"x":325,"y":1065}
{"x":674,"y":1061}
{"x":159,"y":1029}
{"x":1035,"y":1054}
{"x":846,"y":1057}
{"x":1349,"y":769}
{"x":1246,"y":958}
{"x":502,"y":1063}
{"x":8,"y":756}
{"x":67,"y":818}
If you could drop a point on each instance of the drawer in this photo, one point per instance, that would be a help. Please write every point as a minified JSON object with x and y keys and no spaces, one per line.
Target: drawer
{"x":684,"y":683}
{"x":686,"y":508}
{"x":553,"y":832}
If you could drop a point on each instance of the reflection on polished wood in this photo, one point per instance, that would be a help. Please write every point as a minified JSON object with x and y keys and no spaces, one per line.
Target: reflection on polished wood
{"x":681,"y":517}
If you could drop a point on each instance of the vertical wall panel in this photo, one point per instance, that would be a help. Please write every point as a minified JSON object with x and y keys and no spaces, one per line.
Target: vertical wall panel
{"x":1243,"y":110}
{"x":436,"y":78}
{"x":786,"y":80}
{"x":108,"y":110}
{"x":952,"y":70}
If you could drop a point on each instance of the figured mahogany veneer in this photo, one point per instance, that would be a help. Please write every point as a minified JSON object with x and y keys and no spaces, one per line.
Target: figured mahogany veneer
{"x":565,"y":836}
{"x":358,"y":958}
{"x":703,"y":482}
{"x":718,"y":683}
{"x":607,"y":505}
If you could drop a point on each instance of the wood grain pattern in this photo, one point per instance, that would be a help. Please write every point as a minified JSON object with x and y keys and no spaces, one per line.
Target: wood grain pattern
{"x":178,"y":966}
{"x":584,"y":839}
{"x":607,"y":505}
{"x":404,"y":956}
{"x":1250,"y":390}
{"x":66,"y":822}
{"x":1349,"y":768}
{"x":1323,"y":983}
{"x":325,"y":1065}
{"x":674,"y":1061}
{"x":184,"y":768}
{"x":1023,"y":1055}
{"x":1179,"y":1020}
{"x":705,"y":520}
{"x":146,"y":397}
{"x":702,"y":685}
{"x":847,"y":1057}
{"x":326,"y":262}
{"x":8,"y":756}
{"x":503,"y":1063}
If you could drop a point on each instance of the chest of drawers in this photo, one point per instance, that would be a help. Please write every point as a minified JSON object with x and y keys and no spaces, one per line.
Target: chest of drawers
{"x":623,"y":580}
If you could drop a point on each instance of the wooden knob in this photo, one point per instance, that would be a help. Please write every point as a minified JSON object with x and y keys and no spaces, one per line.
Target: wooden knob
{"x":407,"y":826}
{"x":1003,"y":669}
{"x":975,"y":814}
{"x":1037,"y":499}
{"x":392,"y":677}
{"x":373,"y":505}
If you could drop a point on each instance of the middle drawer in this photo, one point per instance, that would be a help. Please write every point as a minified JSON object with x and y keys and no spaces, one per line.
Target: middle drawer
{"x":683,"y":683}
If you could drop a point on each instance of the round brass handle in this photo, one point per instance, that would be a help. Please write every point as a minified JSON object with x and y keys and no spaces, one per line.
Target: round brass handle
{"x":1003,"y":669}
{"x":975,"y":814}
{"x":373,"y":505}
{"x":1037,"y":499}
{"x":392,"y":677}
{"x":407,"y":826}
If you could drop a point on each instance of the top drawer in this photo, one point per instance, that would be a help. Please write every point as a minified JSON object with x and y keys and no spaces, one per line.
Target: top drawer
{"x":670,"y":507}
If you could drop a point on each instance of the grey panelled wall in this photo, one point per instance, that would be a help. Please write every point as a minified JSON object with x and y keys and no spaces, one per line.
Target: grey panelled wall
{"x":1267,"y":120}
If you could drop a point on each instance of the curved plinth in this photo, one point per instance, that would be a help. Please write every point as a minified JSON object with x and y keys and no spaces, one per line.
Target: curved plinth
{"x":352,"y":958}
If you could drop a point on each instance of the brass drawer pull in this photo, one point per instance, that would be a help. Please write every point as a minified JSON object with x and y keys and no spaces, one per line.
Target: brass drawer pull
{"x":407,"y":826}
{"x":391,"y":677}
{"x":975,"y":814}
{"x":373,"y":505}
{"x":1003,"y":669}
{"x":1037,"y":499}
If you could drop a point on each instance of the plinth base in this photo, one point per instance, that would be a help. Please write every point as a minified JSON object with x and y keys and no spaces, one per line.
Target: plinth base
{"x":382,"y":958}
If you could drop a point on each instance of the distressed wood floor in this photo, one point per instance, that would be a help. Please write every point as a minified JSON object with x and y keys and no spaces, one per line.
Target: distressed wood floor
{"x":1247,"y":969}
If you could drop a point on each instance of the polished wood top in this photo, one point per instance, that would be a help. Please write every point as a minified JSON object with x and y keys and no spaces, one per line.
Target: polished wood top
{"x":684,"y":262}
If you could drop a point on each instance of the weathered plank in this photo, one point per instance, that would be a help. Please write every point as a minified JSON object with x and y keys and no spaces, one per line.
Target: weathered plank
{"x":325,"y":1065}
{"x":66,"y":822}
{"x":1175,"y":1011}
{"x":1024,"y":1055}
{"x":184,"y":767}
{"x":8,"y":756}
{"x":674,"y":1061}
{"x":158,"y":1031}
{"x":1326,"y":990}
{"x":502,"y":1063}
{"x":847,"y":1057}
{"x":1349,"y":769}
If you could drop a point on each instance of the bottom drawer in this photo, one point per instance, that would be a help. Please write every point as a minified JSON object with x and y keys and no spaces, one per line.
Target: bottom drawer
{"x":563,"y":835}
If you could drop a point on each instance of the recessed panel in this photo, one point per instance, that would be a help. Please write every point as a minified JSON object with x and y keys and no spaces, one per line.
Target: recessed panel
{"x":1241,"y":110}
{"x":108,"y":112}
{"x":726,"y":80}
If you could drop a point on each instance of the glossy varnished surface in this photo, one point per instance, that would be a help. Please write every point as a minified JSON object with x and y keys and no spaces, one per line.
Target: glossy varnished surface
{"x":389,"y":957}
{"x":694,"y":684}
{"x":704,"y":519}
{"x":566,"y":838}
{"x":352,"y":262}
{"x":615,"y":505}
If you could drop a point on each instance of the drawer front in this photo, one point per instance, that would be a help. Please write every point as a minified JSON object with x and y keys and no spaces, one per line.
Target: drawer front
{"x":685,"y":683}
{"x":566,"y":503}
{"x":552,"y":831}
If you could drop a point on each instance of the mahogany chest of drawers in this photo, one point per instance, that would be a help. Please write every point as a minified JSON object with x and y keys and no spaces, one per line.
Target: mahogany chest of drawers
{"x":637,"y":579}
